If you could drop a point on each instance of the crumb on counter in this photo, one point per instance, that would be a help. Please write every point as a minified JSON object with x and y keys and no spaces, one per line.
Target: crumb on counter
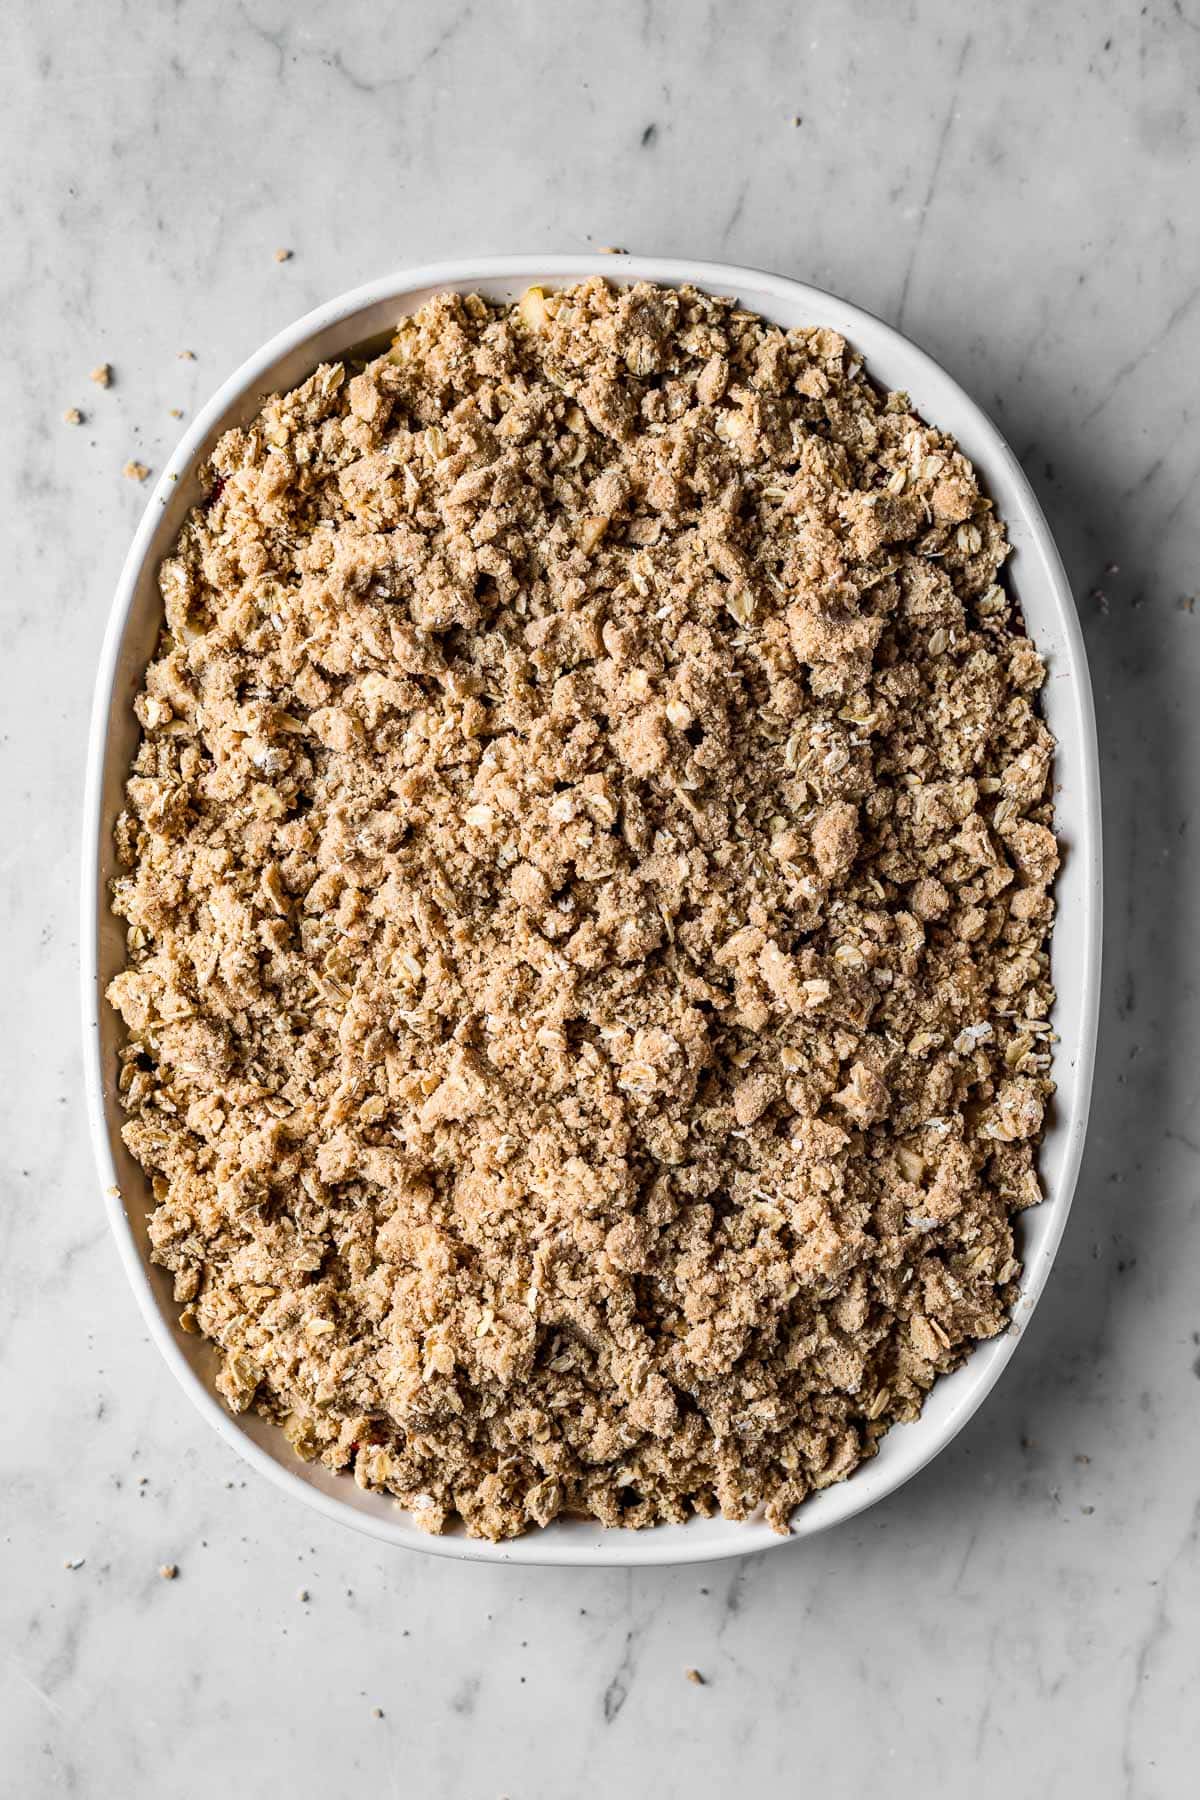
{"x":102,"y":375}
{"x":72,"y":416}
{"x":135,"y":471}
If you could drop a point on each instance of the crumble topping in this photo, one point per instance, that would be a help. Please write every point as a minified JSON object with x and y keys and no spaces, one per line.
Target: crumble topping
{"x":587,"y":870}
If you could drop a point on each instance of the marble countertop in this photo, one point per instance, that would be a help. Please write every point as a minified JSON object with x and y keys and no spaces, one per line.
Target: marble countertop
{"x":1015,"y":187}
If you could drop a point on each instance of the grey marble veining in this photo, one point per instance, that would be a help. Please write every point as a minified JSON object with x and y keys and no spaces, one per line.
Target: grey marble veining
{"x":1017,"y":188}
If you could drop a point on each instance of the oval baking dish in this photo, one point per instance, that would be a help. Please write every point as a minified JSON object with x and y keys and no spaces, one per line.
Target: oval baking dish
{"x":1040,"y":585}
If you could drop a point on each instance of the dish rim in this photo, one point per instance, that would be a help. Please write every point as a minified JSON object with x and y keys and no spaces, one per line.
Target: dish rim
{"x":575,"y":1542}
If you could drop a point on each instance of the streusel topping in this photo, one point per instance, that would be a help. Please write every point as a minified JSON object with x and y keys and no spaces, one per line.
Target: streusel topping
{"x":587,"y":868}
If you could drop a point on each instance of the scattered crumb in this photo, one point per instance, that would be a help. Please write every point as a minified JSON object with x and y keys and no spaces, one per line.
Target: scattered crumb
{"x":611,"y":250}
{"x":1187,"y":602}
{"x":72,"y":416}
{"x":176,"y":412}
{"x":377,"y":1712}
{"x":695,"y":1676}
{"x":169,"y":1571}
{"x":637,"y":808}
{"x":74,"y":1562}
{"x":1099,"y":599}
{"x":283,"y":256}
{"x":102,"y":375}
{"x":135,"y":471}
{"x":796,"y":119}
{"x":303,"y":1595}
{"x":143,"y":1480}
{"x":1088,"y":1510}
{"x":186,"y":355}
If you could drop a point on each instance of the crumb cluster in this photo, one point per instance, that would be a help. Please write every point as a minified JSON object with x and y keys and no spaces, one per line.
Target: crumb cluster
{"x":587,"y":870}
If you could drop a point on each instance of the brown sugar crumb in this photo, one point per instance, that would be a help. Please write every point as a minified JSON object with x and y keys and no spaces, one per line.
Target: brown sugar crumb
{"x":588,"y":872}
{"x":169,"y":1571}
{"x":72,"y":416}
{"x":135,"y":471}
{"x":282,"y":256}
{"x":176,"y":412}
{"x":696,"y":1677}
{"x":186,"y":355}
{"x":102,"y":375}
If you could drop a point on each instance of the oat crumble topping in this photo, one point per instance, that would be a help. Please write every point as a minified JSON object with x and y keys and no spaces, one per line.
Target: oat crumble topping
{"x":587,"y":870}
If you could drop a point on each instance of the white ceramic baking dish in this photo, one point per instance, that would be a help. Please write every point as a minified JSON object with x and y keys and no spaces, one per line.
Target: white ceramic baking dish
{"x":1041,"y":586}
